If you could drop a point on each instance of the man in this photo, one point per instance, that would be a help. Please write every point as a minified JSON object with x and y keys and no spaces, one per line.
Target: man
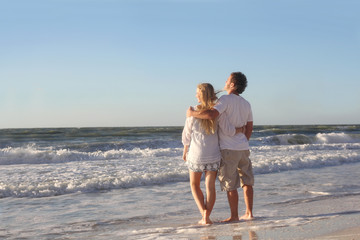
{"x":236,"y":168}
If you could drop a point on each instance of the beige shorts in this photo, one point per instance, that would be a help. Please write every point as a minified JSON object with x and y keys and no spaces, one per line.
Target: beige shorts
{"x":235,"y":169}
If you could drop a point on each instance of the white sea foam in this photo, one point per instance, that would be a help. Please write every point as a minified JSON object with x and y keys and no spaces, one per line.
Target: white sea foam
{"x":70,"y":183}
{"x":33,"y":155}
{"x":319,"y":193}
{"x":280,"y":158}
{"x":335,"y":138}
{"x":116,"y":169}
{"x":308,"y":147}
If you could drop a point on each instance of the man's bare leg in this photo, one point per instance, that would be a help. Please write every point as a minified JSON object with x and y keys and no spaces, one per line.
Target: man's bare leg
{"x":248,"y":198}
{"x":233,"y":199}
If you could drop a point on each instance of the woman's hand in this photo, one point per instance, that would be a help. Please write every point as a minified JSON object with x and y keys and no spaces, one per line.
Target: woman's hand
{"x":184,"y":157}
{"x":186,"y":148}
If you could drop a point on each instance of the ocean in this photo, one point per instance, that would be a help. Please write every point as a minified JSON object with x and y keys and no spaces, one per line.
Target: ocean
{"x":131,"y":183}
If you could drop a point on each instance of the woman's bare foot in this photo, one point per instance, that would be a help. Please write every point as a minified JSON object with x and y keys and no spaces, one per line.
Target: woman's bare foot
{"x":205,"y":222}
{"x":206,"y":219}
{"x":208,"y":222}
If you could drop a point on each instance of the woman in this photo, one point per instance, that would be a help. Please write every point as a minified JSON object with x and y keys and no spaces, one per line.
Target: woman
{"x":202,"y":151}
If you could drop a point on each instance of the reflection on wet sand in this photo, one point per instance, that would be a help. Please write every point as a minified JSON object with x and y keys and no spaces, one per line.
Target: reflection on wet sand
{"x":252,"y":236}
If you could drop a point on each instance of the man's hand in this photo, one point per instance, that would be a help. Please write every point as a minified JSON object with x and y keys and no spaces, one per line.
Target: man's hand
{"x":189,"y":112}
{"x":241,"y":130}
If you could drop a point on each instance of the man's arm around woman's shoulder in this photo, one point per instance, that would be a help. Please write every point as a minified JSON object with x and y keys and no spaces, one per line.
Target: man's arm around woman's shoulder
{"x":207,"y":114}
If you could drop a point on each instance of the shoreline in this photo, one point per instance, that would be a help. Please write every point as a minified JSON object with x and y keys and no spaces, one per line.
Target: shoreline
{"x":352,"y":233}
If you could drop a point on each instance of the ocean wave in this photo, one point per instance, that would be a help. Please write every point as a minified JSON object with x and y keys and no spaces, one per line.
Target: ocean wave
{"x":306,"y":147}
{"x":34,"y":155}
{"x":296,"y":139}
{"x":336,"y":138}
{"x":86,"y":184}
{"x":282,"y":158}
{"x":124,"y":144}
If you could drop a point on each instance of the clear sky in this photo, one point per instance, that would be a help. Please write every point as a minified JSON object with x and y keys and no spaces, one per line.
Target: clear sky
{"x":114,"y":63}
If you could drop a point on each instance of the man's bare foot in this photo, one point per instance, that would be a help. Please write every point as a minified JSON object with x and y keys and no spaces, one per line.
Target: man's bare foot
{"x":246,"y":217}
{"x":230,"y":219}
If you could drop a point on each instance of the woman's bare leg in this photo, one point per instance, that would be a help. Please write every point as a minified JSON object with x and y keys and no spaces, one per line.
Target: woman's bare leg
{"x":210,"y":177}
{"x":195,"y":178}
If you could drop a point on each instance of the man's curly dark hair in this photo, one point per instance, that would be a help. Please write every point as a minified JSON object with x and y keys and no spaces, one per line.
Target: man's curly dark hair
{"x":239,"y":80}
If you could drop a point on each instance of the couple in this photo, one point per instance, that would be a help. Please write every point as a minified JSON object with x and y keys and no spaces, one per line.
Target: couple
{"x":215,"y":137}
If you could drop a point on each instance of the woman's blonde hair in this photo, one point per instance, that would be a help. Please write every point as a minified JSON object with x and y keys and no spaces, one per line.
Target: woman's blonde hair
{"x":207,"y":101}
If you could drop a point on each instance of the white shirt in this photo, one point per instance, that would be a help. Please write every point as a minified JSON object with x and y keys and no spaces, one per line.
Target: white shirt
{"x":204,"y":148}
{"x":238,"y":112}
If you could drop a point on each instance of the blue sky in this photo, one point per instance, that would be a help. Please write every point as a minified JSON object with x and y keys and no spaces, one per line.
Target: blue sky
{"x":77,"y":63}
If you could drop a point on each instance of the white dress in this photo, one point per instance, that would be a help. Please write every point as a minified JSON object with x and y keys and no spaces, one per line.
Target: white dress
{"x":204,"y":151}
